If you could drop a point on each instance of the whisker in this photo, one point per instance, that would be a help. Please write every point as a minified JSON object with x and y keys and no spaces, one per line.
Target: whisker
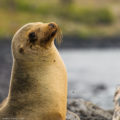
{"x":59,"y":36}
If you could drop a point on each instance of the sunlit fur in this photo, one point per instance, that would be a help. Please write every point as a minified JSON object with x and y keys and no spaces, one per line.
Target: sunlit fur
{"x":38,"y":87}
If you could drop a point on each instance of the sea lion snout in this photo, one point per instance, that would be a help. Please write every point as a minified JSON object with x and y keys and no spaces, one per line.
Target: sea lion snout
{"x":52,"y":25}
{"x":53,"y":28}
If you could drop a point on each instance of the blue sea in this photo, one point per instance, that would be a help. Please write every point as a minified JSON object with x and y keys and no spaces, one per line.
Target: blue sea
{"x":93,"y":74}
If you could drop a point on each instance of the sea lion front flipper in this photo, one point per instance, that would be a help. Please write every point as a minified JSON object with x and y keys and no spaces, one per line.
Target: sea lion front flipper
{"x":3,"y":102}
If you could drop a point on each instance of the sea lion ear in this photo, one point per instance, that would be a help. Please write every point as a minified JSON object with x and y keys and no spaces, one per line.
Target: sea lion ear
{"x":21,"y":49}
{"x":59,"y":36}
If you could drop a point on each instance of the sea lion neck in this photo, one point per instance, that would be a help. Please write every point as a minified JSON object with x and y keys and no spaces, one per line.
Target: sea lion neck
{"x":26,"y":75}
{"x":21,"y":78}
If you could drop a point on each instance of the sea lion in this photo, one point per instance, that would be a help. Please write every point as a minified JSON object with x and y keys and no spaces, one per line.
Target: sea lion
{"x":38,"y":87}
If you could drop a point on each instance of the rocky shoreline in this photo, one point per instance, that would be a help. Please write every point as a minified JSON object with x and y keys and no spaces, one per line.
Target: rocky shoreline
{"x":86,"y":111}
{"x":75,"y":42}
{"x":91,"y":42}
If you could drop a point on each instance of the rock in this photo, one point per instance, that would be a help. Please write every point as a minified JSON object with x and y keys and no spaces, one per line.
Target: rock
{"x":72,"y":116}
{"x":99,"y":88}
{"x":88,"y":111}
{"x":116,"y":115}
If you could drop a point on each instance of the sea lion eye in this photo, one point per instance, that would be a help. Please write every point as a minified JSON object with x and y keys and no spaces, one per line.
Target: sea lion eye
{"x":32,"y":37}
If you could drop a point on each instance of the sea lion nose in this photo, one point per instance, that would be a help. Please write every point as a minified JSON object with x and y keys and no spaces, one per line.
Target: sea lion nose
{"x":52,"y":25}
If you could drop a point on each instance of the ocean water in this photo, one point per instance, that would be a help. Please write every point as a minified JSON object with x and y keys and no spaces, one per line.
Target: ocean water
{"x":93,"y":74}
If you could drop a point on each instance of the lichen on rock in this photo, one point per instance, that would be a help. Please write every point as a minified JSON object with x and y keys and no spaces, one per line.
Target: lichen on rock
{"x":88,"y":111}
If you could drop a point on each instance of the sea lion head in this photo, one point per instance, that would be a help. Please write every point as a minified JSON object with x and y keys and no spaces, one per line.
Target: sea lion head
{"x":34,"y":40}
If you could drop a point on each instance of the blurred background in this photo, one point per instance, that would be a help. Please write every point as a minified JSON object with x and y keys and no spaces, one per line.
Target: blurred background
{"x":90,"y":48}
